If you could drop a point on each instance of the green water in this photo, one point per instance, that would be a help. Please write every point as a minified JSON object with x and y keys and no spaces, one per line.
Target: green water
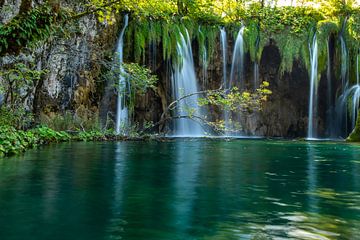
{"x":184,"y":189}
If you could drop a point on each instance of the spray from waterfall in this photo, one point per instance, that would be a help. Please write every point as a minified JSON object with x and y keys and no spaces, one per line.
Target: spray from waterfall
{"x":237,"y":66}
{"x":312,"y":119}
{"x":184,"y":83}
{"x":122,"y":110}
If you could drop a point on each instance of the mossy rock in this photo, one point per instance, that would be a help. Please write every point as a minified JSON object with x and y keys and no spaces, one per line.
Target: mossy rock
{"x":355,"y":135}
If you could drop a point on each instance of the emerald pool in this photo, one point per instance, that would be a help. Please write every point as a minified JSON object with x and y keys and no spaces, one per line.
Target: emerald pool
{"x":182,"y":189}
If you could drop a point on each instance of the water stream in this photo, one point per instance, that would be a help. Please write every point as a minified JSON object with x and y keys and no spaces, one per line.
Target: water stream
{"x":312,"y":118}
{"x":184,"y":84}
{"x":237,"y":66}
{"x":121,"y":109}
{"x":224,"y":48}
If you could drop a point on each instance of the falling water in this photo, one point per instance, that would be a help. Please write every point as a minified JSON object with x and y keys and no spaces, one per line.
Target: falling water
{"x":224,"y":47}
{"x":349,"y":101}
{"x":256,"y":75}
{"x":341,"y":105}
{"x":357,"y":67}
{"x":185,"y":83}
{"x":152,"y":46}
{"x":237,"y":66}
{"x":204,"y":62}
{"x":223,"y":41}
{"x":122,"y":110}
{"x":204,"y":67}
{"x":329,"y":101}
{"x":344,"y":64}
{"x":312,"y":126}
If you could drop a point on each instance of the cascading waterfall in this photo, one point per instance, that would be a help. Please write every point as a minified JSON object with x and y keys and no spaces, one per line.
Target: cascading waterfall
{"x":152,"y":46}
{"x":344,"y":64}
{"x":204,"y":62}
{"x":341,"y":103}
{"x":348,"y":102}
{"x":224,"y":47}
{"x":256,"y":75}
{"x":184,"y":84}
{"x":237,"y":66}
{"x":223,"y":42}
{"x":351,"y":96}
{"x":204,"y":67}
{"x":329,"y":99}
{"x":312,"y":125}
{"x":357,"y":68}
{"x":236,"y":73}
{"x":122,"y":110}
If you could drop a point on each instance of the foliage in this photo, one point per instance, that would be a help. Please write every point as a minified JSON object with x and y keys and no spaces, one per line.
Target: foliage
{"x":141,"y":78}
{"x":14,"y":141}
{"x":290,"y":27}
{"x":79,"y":120}
{"x":17,"y":117}
{"x":28,"y":28}
{"x":235,"y":103}
{"x":18,"y":82}
{"x":238,"y":101}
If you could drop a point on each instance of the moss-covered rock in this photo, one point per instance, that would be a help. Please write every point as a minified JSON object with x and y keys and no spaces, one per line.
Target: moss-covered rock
{"x":355,"y":135}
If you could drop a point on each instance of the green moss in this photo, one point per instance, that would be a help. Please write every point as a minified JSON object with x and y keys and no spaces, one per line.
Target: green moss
{"x":292,"y":47}
{"x":324,"y":30}
{"x":251,"y":38}
{"x":141,"y":35}
{"x":355,"y":135}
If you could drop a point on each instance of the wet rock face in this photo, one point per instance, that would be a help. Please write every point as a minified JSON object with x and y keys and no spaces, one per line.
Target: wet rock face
{"x":8,"y":10}
{"x":285,"y":114}
{"x":73,"y":63}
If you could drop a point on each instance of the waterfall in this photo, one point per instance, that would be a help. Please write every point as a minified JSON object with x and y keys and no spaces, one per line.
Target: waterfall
{"x":350,"y":96}
{"x":341,"y":104}
{"x":329,"y":101}
{"x":344,"y":64}
{"x":357,"y":67}
{"x":184,"y":82}
{"x":122,"y":110}
{"x":204,"y":67}
{"x":312,"y":119}
{"x":224,"y":47}
{"x":237,"y":66}
{"x":256,"y":75}
{"x":152,"y":46}
{"x":223,"y":42}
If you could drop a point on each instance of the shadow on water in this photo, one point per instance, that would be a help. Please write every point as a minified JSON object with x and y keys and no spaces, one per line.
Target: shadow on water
{"x":182,"y":189}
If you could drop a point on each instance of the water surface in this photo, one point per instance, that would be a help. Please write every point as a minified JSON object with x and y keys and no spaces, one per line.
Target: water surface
{"x":182,"y":189}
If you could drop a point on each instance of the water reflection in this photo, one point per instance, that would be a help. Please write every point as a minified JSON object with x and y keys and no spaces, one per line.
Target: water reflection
{"x":187,"y":163}
{"x":183,"y":189}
